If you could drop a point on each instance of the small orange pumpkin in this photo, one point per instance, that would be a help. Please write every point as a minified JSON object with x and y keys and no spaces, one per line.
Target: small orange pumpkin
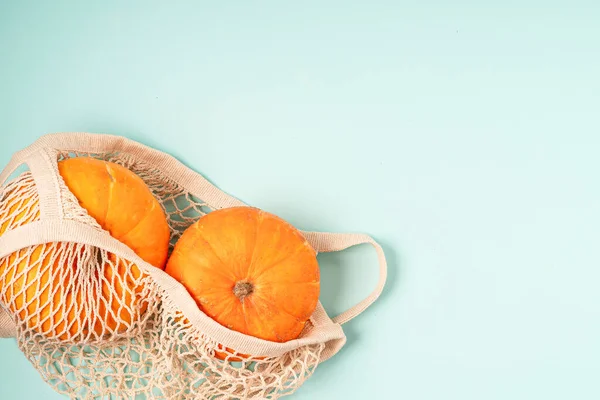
{"x":122,"y":204}
{"x":249,"y":270}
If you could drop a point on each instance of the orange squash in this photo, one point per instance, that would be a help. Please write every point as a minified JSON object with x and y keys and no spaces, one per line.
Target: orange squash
{"x":249,"y":270}
{"x":20,"y":209}
{"x":123,"y":205}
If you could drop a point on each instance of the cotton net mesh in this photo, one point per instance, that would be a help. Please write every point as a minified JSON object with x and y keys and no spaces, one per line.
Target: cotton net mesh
{"x":96,"y":326}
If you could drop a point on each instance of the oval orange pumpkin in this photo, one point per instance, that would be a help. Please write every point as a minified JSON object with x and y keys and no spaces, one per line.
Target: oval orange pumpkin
{"x":249,"y":270}
{"x":18,"y":208}
{"x":122,"y":204}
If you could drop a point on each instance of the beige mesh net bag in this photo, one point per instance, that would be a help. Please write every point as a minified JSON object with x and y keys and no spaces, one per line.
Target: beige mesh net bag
{"x":53,"y":256}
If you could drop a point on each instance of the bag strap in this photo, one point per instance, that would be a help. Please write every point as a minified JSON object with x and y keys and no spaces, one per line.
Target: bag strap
{"x":186,"y":178}
{"x":329,"y":242}
{"x":43,"y":168}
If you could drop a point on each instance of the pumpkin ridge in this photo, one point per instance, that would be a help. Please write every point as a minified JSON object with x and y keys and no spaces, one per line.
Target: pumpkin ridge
{"x":113,"y":182}
{"x":246,"y":330}
{"x":148,"y":213}
{"x":210,"y":246}
{"x":217,"y":271}
{"x":218,"y":291}
{"x":294,"y":283}
{"x":226,"y":304}
{"x":109,"y":195}
{"x":259,"y":222}
{"x":279,"y":309}
{"x":276,"y":263}
{"x":261,"y":320}
{"x":223,"y":272}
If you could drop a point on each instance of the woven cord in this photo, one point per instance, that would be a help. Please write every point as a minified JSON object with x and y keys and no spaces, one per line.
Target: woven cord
{"x":330,"y":242}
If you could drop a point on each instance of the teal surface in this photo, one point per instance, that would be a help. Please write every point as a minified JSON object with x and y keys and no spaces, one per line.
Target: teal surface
{"x":463,"y":137}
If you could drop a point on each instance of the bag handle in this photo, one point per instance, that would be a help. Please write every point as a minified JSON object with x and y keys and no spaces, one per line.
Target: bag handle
{"x":329,"y":242}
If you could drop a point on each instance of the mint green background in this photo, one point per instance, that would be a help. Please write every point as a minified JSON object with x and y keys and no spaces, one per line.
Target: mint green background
{"x":463,"y":137}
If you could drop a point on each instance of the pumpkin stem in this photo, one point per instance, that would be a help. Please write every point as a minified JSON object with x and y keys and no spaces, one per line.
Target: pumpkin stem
{"x":243,"y":289}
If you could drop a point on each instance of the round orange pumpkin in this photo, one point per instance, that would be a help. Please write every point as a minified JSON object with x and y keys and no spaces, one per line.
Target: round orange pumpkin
{"x":249,"y":270}
{"x":122,"y":204}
